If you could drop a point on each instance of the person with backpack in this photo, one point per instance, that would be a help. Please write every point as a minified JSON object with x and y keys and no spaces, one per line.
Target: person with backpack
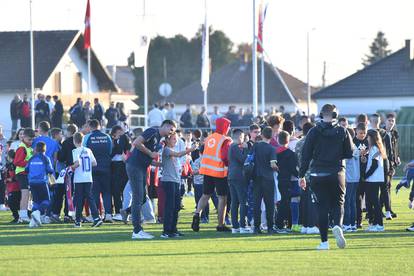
{"x":38,"y":168}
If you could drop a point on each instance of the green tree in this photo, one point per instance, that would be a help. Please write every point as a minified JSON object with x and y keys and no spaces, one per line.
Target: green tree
{"x":183,"y":58}
{"x":378,"y":50}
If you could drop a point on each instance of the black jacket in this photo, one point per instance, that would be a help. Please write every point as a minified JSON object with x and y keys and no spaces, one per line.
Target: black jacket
{"x":65,"y":152}
{"x":121,"y":145}
{"x":287,"y":162}
{"x":327,"y":145}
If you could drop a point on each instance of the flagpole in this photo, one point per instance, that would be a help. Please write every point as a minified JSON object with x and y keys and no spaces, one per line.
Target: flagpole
{"x":32,"y":69}
{"x":254,"y":62}
{"x":89,"y":70}
{"x":263,"y":85}
{"x":206,"y":56}
{"x":145,"y":79}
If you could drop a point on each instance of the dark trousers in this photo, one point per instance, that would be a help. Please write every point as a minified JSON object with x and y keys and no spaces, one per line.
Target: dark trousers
{"x":385,"y":195}
{"x":59,"y":196}
{"x":350,"y":203}
{"x":172,"y":205}
{"x":308,"y":209}
{"x":119,"y":180}
{"x":41,"y":197}
{"x":360,"y":196}
{"x":283,"y":205}
{"x":13,"y":200}
{"x":83,"y":191}
{"x":25,"y":122}
{"x":330,"y":194}
{"x":263,"y":189}
{"x":373,"y":202}
{"x":238,"y":191}
{"x":2,"y":191}
{"x":250,"y":201}
{"x":101,"y":185}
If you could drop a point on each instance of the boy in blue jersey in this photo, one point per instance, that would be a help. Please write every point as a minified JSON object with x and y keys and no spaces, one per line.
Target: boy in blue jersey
{"x":38,"y":169}
{"x":101,"y":146}
{"x":52,"y":147}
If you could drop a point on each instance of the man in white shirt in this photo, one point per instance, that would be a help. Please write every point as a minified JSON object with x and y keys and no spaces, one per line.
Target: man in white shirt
{"x":155,"y":117}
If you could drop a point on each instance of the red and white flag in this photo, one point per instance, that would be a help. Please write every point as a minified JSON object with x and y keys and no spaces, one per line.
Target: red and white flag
{"x":87,"y":32}
{"x":262,"y":15}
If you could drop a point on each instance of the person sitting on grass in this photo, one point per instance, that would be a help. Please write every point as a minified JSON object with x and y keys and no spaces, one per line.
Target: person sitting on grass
{"x":38,"y":169}
{"x":170,"y":183}
{"x":83,"y":161}
{"x":407,"y":178}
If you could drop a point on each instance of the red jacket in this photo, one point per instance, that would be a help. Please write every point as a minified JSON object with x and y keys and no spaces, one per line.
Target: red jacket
{"x":223,"y":127}
{"x":11,"y":182}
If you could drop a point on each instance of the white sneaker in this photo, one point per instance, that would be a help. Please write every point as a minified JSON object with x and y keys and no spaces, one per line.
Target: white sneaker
{"x":323,"y":246}
{"x":3,"y":207}
{"x":141,"y":235}
{"x":388,"y":215}
{"x":24,"y":220}
{"x":33,"y":224}
{"x":263,"y":226}
{"x":36,"y":217}
{"x":45,"y":219}
{"x":304,"y":230}
{"x":246,"y":230}
{"x":380,"y":228}
{"x":235,"y":230}
{"x":312,"y":230}
{"x":372,"y":228}
{"x":347,"y":228}
{"x":108,"y":218}
{"x":117,"y":217}
{"x":89,"y":218}
{"x":339,"y":236}
{"x":354,"y":228}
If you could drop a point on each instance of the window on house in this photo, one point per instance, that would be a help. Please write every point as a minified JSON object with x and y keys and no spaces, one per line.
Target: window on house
{"x":57,"y":85}
{"x":77,"y":82}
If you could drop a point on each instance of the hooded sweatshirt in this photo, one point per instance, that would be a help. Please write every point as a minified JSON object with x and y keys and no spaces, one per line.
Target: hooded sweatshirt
{"x":222,"y":127}
{"x":326,"y":145}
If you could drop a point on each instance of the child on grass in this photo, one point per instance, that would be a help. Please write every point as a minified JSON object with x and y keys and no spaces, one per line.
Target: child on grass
{"x":83,"y":161}
{"x":38,"y":169}
{"x":13,"y":190}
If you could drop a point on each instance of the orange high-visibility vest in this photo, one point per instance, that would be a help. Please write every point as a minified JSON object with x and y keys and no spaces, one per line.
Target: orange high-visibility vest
{"x":212,"y":162}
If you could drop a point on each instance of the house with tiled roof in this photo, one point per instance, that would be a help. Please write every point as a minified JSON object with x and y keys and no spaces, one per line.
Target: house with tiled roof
{"x":385,"y":85}
{"x":60,"y":68}
{"x":232,"y":85}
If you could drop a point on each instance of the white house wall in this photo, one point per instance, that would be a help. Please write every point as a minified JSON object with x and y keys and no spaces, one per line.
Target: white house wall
{"x":356,"y":106}
{"x":70,"y":64}
{"x":5,"y":121}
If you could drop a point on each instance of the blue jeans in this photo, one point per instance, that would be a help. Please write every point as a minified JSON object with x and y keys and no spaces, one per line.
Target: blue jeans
{"x":83,"y":191}
{"x":102,"y":184}
{"x":41,"y":197}
{"x":137,"y":177}
{"x":350,"y":203}
{"x":172,"y":205}
{"x":238,"y":192}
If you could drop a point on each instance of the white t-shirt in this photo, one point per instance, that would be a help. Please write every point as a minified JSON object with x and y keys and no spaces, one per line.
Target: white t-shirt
{"x":85,"y":157}
{"x":378,"y":175}
{"x":155,"y":117}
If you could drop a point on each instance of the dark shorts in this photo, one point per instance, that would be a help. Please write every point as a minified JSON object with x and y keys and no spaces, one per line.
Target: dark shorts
{"x":23,"y":182}
{"x":219,"y":184}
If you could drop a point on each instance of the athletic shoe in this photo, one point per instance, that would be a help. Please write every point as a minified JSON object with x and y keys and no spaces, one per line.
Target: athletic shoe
{"x":323,"y":246}
{"x":257,"y":231}
{"x":223,"y":229}
{"x":235,"y":230}
{"x":89,"y":219}
{"x":246,"y":230}
{"x":339,"y":236}
{"x":24,"y":220}
{"x":371,"y":228}
{"x":33,"y":224}
{"x":394,"y":215}
{"x":97,"y":222}
{"x":36,"y":217}
{"x":108,"y":218}
{"x":124,"y":215}
{"x":380,"y":228}
{"x":45,"y":219}
{"x":68,"y":219}
{"x":55,"y":218}
{"x":281,"y":231}
{"x":3,"y":207}
{"x":304,"y":230}
{"x":204,"y":220}
{"x":388,"y":215}
{"x":227,"y":221}
{"x":177,"y":234}
{"x":165,"y":235}
{"x":195,"y":225}
{"x":354,"y":229}
{"x":14,"y":221}
{"x":263,"y":226}
{"x":296,"y":228}
{"x":117,"y":217}
{"x":77,"y":225}
{"x":359,"y":226}
{"x":313,"y":230}
{"x":410,"y":229}
{"x":347,"y":228}
{"x":141,"y":235}
{"x":403,"y":183}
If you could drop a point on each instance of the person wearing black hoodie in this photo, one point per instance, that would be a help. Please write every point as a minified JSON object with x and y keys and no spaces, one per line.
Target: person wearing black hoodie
{"x":327,"y":145}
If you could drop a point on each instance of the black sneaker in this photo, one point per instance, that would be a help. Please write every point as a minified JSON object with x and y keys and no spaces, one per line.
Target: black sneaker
{"x":14,"y":221}
{"x":271,"y":231}
{"x":77,"y":225}
{"x":393,"y":215}
{"x":97,"y":222}
{"x":166,"y":235}
{"x":257,"y":231}
{"x":223,"y":229}
{"x":68,"y":219}
{"x":195,"y":225}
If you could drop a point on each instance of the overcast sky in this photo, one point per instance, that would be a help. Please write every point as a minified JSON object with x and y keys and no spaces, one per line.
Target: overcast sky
{"x":342,"y":29}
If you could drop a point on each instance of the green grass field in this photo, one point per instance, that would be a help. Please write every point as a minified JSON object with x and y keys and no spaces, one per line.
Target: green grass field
{"x":62,"y":250}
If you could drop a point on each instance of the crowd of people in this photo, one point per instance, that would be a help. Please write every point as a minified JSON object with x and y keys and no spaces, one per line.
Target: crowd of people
{"x":276,"y":177}
{"x":50,"y":109}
